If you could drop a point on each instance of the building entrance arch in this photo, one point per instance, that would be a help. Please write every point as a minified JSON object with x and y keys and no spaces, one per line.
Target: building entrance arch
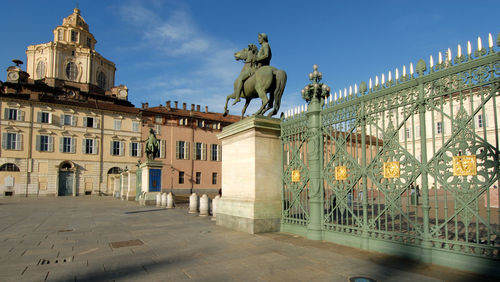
{"x":66,"y":179}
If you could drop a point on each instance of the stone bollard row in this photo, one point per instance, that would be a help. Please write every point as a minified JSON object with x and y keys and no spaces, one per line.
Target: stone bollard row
{"x":193,"y":203}
{"x":214,"y":207}
{"x":170,"y":201}
{"x":158,"y":199}
{"x":204,"y":207}
{"x":164,"y":200}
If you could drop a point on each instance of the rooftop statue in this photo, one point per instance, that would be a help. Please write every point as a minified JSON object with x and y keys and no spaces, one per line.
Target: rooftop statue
{"x":152,"y":147}
{"x":257,"y":78}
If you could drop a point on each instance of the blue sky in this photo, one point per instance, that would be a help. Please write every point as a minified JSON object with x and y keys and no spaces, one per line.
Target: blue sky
{"x":183,"y":50}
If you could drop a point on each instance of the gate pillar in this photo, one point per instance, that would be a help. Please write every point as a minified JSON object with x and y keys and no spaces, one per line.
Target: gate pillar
{"x":315,"y":93}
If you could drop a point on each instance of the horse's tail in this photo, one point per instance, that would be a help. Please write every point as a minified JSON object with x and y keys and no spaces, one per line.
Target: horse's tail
{"x":279,"y":89}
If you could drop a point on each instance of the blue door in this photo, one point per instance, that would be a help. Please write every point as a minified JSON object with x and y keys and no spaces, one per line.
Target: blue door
{"x":65,"y":183}
{"x":154,"y":180}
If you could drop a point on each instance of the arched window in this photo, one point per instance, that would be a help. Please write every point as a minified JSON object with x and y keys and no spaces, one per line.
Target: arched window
{"x":40,"y":70}
{"x":101,"y":79}
{"x":115,"y":170}
{"x":9,"y":167}
{"x":71,"y":71}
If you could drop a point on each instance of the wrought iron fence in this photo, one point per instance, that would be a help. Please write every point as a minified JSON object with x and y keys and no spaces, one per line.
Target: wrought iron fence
{"x":412,"y":160}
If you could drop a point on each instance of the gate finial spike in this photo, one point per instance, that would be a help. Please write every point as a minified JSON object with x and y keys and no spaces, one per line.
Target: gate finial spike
{"x":490,"y":41}
{"x":440,"y":58}
{"x":376,"y":80}
{"x":404,"y":70}
{"x":479,"y":43}
{"x":431,"y":61}
{"x":411,"y":68}
{"x":355,"y":88}
{"x":448,"y":55}
{"x":469,"y":48}
{"x":389,"y":76}
{"x":459,"y":51}
{"x":397,"y":74}
{"x":370,"y":83}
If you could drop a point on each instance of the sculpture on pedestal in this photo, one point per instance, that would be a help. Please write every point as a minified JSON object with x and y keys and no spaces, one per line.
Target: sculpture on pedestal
{"x":152,"y":147}
{"x":257,"y":78}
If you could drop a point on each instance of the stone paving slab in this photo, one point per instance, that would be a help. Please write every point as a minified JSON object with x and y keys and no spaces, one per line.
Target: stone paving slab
{"x":177,"y":246}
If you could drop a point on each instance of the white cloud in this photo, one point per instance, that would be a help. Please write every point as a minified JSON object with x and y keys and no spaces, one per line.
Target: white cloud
{"x":202,"y":69}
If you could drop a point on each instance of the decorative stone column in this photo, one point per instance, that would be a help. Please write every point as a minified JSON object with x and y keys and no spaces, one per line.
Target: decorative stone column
{"x":251,"y":182}
{"x":131,"y":185}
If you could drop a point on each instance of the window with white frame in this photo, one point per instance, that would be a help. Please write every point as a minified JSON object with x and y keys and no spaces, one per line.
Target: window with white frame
{"x":45,"y":143}
{"x":74,"y":36}
{"x":407,"y":133}
{"x":117,"y":148}
{"x":135,"y":126}
{"x":162,"y":153}
{"x":13,"y":114}
{"x":135,"y":149}
{"x":12,"y":141}
{"x":159,"y":119}
{"x":182,"y":150}
{"x":200,"y":151}
{"x":439,"y":127}
{"x":44,"y":117}
{"x":480,"y":121}
{"x":215,"y":152}
{"x":91,"y":122}
{"x":67,"y":119}
{"x":90,"y":146}
{"x":157,"y":129}
{"x":117,"y":124}
{"x":67,"y":144}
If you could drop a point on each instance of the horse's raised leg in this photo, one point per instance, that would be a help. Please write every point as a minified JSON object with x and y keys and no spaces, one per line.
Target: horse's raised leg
{"x":226,"y":111}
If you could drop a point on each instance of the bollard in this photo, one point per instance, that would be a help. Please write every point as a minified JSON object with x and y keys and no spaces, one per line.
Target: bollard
{"x":170,"y":201}
{"x":158,"y":199}
{"x":214,"y":206}
{"x":163,"y":199}
{"x":204,"y":208}
{"x":193,"y":203}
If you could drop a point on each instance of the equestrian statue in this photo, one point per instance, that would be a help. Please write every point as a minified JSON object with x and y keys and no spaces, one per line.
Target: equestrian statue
{"x":257,"y":78}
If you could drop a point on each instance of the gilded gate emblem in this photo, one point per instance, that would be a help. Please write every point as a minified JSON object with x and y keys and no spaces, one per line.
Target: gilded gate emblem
{"x":391,"y":170}
{"x":295,"y":175}
{"x":340,"y":172}
{"x":464,"y":165}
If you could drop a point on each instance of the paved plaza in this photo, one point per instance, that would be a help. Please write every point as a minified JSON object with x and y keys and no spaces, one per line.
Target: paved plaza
{"x":104,"y":239}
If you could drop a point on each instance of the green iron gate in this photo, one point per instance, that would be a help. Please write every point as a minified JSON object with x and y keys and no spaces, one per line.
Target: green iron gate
{"x":408,"y":166}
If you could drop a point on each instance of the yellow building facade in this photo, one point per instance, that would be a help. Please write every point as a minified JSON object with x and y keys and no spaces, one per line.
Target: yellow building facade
{"x":65,"y":128}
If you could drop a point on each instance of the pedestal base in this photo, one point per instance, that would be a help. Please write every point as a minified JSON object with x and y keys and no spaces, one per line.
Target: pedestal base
{"x":251,"y":183}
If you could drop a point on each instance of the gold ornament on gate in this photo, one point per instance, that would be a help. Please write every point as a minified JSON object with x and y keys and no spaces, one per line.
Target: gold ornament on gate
{"x":391,"y":170}
{"x":464,"y":165}
{"x":295,"y":175}
{"x":340,"y":172}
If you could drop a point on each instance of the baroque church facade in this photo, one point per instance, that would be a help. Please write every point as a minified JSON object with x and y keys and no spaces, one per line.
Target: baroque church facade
{"x":66,"y":129}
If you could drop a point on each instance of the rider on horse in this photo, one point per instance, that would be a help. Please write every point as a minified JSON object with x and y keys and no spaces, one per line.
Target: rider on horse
{"x":152,"y":145}
{"x":263,"y":59}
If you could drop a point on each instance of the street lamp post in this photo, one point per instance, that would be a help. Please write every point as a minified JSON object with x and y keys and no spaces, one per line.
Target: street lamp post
{"x":315,"y":94}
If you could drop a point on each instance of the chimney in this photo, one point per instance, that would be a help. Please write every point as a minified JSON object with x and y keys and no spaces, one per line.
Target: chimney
{"x":197,"y":108}
{"x":176,"y":104}
{"x":192,"y":107}
{"x":206,"y":109}
{"x":168,"y":105}
{"x":183,"y":106}
{"x":145,"y":105}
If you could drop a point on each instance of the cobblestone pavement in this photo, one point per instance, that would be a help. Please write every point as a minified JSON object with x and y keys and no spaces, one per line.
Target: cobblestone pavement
{"x":104,"y":239}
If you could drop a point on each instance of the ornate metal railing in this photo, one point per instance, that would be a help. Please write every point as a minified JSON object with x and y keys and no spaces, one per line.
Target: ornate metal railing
{"x":412,"y":161}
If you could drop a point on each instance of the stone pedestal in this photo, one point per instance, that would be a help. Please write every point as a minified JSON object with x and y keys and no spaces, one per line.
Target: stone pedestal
{"x":251,"y":176}
{"x":151,"y":181}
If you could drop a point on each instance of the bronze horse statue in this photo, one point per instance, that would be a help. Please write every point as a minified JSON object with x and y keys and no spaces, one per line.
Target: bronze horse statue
{"x":266,"y":79}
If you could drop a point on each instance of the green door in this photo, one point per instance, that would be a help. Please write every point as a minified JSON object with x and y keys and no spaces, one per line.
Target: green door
{"x":65,"y":183}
